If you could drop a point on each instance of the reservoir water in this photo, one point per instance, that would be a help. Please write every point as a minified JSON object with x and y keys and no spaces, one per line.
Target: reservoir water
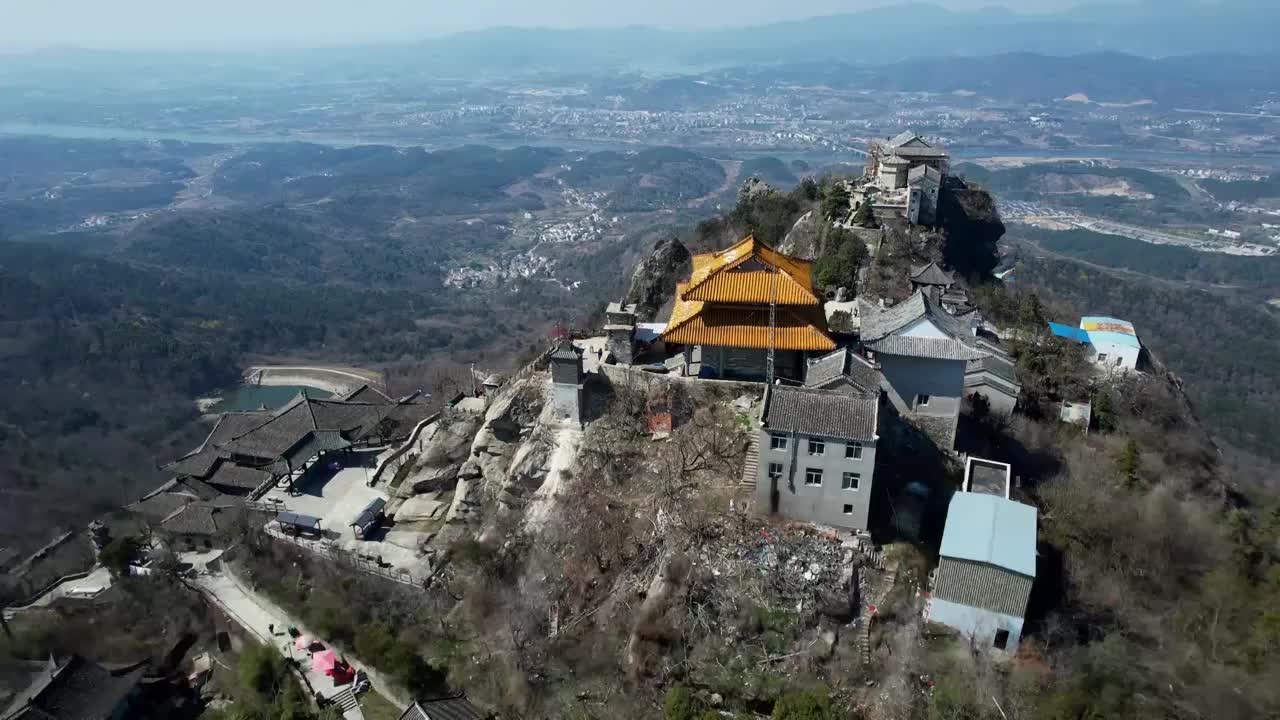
{"x":252,"y":397}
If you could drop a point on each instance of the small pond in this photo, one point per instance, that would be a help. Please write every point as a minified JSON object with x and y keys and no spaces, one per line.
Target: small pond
{"x":252,"y":397}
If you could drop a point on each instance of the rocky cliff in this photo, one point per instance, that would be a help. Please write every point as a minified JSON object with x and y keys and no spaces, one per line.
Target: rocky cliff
{"x":654,"y":282}
{"x":972,"y":224}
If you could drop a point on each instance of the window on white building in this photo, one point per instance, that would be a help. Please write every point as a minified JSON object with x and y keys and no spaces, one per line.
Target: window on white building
{"x":813,"y":476}
{"x":817,"y":446}
{"x":850,"y":481}
{"x":848,"y":509}
{"x":1102,"y":357}
{"x":775,"y":473}
{"x":853,"y":451}
{"x":922,"y":400}
{"x":777,"y":442}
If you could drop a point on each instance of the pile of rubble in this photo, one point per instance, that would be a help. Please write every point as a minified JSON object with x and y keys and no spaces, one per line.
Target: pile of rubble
{"x":793,"y":565}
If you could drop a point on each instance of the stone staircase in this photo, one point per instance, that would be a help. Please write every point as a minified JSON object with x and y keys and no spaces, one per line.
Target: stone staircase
{"x":873,"y":557}
{"x":751,"y":465}
{"x":345,"y":700}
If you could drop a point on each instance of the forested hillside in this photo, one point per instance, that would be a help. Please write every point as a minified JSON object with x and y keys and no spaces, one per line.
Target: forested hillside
{"x":1221,"y":340}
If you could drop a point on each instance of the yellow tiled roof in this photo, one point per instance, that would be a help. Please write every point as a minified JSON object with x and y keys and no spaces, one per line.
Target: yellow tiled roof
{"x":698,"y":323}
{"x":716,"y":277}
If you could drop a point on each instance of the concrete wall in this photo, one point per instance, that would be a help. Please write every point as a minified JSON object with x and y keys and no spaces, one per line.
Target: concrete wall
{"x":906,"y":378}
{"x":567,"y":401}
{"x":822,"y":504}
{"x":1000,"y":401}
{"x":977,"y":624}
{"x":1128,"y":356}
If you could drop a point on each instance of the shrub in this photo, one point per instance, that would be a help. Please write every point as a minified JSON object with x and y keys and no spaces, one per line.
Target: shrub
{"x":680,"y":704}
{"x":803,"y":705}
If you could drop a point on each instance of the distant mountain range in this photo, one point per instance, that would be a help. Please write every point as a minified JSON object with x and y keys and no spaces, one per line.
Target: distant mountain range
{"x":1151,"y":28}
{"x":880,"y":36}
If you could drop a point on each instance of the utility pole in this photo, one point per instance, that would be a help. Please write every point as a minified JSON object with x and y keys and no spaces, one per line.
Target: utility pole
{"x":773,"y":323}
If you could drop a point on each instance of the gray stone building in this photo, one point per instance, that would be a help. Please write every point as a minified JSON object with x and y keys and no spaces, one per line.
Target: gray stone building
{"x":817,"y":455}
{"x":566,"y":382}
{"x":620,"y":331}
{"x":923,"y":353}
{"x":924,"y":184}
{"x":995,"y":379}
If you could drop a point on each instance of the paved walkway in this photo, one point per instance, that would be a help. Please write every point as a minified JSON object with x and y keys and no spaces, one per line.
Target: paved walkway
{"x":590,"y":346}
{"x":256,"y":614}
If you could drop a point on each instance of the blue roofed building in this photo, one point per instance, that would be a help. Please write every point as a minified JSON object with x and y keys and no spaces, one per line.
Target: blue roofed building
{"x":1110,"y":343}
{"x":987,"y":566}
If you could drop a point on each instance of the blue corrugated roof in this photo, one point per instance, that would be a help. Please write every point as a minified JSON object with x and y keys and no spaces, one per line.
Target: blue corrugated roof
{"x":990,"y":529}
{"x":1069,"y":332}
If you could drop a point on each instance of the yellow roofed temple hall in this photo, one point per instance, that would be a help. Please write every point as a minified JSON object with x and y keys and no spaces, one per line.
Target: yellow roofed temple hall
{"x":721,"y":315}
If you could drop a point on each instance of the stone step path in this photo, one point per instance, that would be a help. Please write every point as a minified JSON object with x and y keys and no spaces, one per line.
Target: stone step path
{"x":346,"y":701}
{"x":751,"y":466}
{"x":872,"y":557}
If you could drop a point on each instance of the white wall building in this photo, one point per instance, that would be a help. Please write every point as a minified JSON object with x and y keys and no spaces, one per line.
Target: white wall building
{"x":987,"y":567}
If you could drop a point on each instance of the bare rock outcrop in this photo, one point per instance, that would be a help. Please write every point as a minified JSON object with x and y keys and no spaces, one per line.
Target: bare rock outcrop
{"x":802,"y":240}
{"x":506,"y":426}
{"x":654,"y":282}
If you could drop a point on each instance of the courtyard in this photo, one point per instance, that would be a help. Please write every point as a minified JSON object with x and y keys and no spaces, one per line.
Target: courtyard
{"x":335,"y":490}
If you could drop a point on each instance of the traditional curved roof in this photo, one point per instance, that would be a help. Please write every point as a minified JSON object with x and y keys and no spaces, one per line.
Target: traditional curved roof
{"x":931,"y":274}
{"x":700,"y":323}
{"x":881,"y":328}
{"x":730,"y":276}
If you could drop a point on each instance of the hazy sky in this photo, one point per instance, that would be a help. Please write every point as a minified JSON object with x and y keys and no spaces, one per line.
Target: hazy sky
{"x":27,"y":24}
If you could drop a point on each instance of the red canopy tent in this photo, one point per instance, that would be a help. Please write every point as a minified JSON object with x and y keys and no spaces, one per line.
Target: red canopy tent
{"x":324,"y":661}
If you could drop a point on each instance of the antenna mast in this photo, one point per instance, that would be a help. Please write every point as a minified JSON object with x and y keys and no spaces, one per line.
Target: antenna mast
{"x":773,"y":323}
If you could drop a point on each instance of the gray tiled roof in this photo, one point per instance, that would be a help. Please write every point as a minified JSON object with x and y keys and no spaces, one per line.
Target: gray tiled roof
{"x":929,"y":348}
{"x":565,"y":351}
{"x":919,"y":152}
{"x":833,"y":368}
{"x":79,"y":690}
{"x":160,"y":506}
{"x":931,"y":274}
{"x":905,"y":136}
{"x":880,"y":324}
{"x":456,"y":708}
{"x":996,"y":365}
{"x":923,"y":171}
{"x":821,"y":412}
{"x":197,"y":464}
{"x":366,"y":394}
{"x":232,"y":475}
{"x":193,"y":519}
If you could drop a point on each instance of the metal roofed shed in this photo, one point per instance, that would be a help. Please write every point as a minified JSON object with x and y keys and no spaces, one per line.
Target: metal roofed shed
{"x":298,"y":523}
{"x":986,"y":570}
{"x":369,"y":518}
{"x":991,"y":530}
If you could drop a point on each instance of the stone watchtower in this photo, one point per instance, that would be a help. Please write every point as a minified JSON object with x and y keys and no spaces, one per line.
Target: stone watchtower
{"x":566,"y":382}
{"x":620,"y":327}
